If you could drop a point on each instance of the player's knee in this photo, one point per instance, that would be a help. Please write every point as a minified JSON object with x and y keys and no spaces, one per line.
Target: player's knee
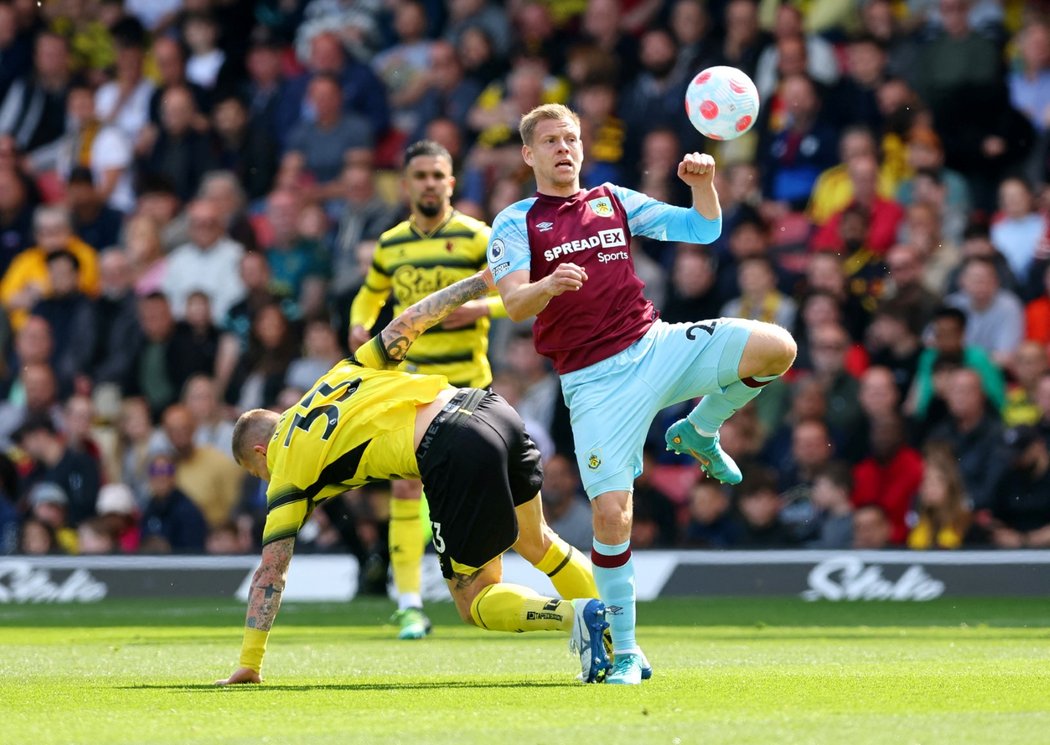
{"x":611,"y":518}
{"x":776,"y":350}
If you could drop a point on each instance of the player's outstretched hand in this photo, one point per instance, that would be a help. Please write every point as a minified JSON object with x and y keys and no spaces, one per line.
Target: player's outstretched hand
{"x":242,"y":675}
{"x":697,"y":169}
{"x":566,"y":278}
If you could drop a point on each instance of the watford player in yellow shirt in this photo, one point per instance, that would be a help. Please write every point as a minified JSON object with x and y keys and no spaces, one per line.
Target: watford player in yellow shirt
{"x":364,"y":421}
{"x":433,"y":248}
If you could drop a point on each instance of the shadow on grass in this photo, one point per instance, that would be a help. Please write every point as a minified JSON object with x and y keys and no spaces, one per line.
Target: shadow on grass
{"x":391,"y":686}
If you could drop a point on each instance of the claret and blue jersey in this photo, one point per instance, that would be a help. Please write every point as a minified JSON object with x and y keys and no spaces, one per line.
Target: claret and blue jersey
{"x":592,"y":229}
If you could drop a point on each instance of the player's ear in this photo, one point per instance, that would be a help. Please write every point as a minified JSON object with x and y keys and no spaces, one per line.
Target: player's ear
{"x":260,"y":448}
{"x":526,"y":155}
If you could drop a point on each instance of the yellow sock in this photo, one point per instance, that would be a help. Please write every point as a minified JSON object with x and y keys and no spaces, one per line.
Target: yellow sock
{"x":569,"y":570}
{"x":507,"y":607}
{"x":406,"y":545}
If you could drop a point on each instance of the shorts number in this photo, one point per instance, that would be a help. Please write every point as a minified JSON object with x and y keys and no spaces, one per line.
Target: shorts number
{"x":690,"y":333}
{"x":439,"y":542}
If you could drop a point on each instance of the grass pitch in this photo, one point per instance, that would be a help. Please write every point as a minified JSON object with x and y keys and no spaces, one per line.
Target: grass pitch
{"x":727,"y":671}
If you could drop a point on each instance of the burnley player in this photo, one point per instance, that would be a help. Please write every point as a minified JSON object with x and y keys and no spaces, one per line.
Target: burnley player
{"x":564,"y":256}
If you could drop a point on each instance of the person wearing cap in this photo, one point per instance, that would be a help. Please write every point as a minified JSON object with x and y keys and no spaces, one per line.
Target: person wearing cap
{"x":118,"y":512}
{"x":50,"y":505}
{"x":76,"y":474}
{"x":171,"y":519}
{"x":1020,"y":511}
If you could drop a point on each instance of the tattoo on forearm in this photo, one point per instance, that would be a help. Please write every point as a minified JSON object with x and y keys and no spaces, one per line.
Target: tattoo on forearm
{"x":264,"y":599}
{"x":431,"y":310}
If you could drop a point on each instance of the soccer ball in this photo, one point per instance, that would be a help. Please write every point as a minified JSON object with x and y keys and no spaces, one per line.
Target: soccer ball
{"x":722,"y":102}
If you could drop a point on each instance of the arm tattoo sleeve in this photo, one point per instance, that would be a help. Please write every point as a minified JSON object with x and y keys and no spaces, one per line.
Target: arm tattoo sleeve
{"x":264,"y":598}
{"x":398,"y":336}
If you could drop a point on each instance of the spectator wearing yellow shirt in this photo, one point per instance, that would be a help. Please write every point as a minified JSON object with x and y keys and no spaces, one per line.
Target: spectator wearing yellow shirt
{"x":26,"y":280}
{"x":833,"y":191}
{"x":944,"y":518}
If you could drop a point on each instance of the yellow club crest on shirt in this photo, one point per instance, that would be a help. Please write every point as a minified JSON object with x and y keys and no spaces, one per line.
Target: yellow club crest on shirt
{"x":602,"y":206}
{"x":594,"y":459}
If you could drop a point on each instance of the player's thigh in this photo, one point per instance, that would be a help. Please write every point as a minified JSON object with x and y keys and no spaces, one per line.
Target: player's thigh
{"x":610,"y":418}
{"x":534,"y":535}
{"x":465,"y":582}
{"x":411,"y":489}
{"x":696,"y":359}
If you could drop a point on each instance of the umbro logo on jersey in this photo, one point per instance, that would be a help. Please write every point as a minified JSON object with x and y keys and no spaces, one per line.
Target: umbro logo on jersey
{"x":543,"y":227}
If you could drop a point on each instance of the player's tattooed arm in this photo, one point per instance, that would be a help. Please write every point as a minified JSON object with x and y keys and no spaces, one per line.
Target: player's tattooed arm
{"x":400,"y":333}
{"x":264,"y":599}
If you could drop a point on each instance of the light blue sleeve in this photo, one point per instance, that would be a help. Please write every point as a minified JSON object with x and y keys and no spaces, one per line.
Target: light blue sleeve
{"x":508,"y":249}
{"x":654,"y":219}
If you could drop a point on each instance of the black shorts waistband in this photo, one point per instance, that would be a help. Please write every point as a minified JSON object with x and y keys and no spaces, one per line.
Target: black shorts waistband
{"x":463,"y":403}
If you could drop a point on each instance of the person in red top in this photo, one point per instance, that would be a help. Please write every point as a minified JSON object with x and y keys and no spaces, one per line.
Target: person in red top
{"x":890,"y":476}
{"x":884,"y":215}
{"x":564,"y":256}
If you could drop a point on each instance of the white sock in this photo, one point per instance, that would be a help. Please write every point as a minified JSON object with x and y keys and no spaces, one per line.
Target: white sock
{"x":409,"y":600}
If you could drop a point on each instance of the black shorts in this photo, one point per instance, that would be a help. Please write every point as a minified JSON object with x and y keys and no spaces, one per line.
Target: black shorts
{"x":477,"y":464}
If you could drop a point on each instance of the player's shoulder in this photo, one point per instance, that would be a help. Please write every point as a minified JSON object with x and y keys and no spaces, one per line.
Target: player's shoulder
{"x":466,"y":223}
{"x":514,"y":214}
{"x":400,"y":233}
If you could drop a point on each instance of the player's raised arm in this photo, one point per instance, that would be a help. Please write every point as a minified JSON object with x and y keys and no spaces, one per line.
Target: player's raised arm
{"x":264,"y":600}
{"x":400,"y":333}
{"x":697,"y":170}
{"x":525,"y":299}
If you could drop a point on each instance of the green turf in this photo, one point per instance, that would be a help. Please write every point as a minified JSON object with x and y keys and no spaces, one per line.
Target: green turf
{"x":727,"y":671}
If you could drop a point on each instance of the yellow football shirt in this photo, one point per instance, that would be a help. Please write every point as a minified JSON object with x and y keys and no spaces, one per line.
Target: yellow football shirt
{"x":412,"y":264}
{"x":354,"y":426}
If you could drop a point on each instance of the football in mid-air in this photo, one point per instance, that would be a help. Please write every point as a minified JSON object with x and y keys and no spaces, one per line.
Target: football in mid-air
{"x":722,"y":102}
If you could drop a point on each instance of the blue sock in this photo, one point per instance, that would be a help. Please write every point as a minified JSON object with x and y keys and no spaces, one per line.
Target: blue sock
{"x":715,"y":408}
{"x":614,"y":575}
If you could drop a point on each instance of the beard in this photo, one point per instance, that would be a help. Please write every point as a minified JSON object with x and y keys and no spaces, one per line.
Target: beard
{"x":428,"y":210}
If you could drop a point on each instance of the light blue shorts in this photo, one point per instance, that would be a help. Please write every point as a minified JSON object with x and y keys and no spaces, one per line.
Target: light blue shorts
{"x":612,"y":403}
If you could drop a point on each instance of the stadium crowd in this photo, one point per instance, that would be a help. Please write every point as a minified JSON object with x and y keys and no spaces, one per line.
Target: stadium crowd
{"x":191,"y":192}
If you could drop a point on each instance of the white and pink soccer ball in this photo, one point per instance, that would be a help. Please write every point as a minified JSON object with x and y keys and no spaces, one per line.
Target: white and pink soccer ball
{"x":722,"y":102}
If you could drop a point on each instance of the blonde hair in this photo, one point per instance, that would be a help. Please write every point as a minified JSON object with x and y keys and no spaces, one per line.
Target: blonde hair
{"x":553,"y":111}
{"x":253,"y":427}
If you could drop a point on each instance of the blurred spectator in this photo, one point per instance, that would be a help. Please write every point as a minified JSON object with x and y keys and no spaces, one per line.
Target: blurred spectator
{"x":169,"y":57}
{"x":977,"y":244}
{"x":890,"y":476}
{"x":1029,"y":81}
{"x":879,"y":398}
{"x":448,"y":94}
{"x":148,"y":264}
{"x":758,"y":504}
{"x":744,"y":40}
{"x":16,"y":215}
{"x":564,"y":505}
{"x":223,"y":190}
{"x":97,"y":223}
{"x":792,"y":159}
{"x":994,"y":316}
{"x":177,"y":151}
{"x":692,"y":294}
{"x":871,"y":528}
{"x":883,"y":215}
{"x":116,"y":331}
{"x":832,"y":274}
{"x":831,"y":500}
{"x":403,"y":66}
{"x":159,"y":201}
{"x":329,"y":141}
{"x":16,"y":53}
{"x":360,"y":91}
{"x":905,"y":289}
{"x":1037,"y":312}
{"x":1020,"y":509}
{"x":760,"y":300}
{"x":974,"y":435}
{"x":196,"y":339}
{"x":208,"y":263}
{"x":157,"y":371}
{"x":1026,"y":369}
{"x":206,"y":59}
{"x":464,"y":15}
{"x":26,"y":280}
{"x":37,"y":538}
{"x":1018,"y":230}
{"x":260,"y":371}
{"x":71,"y":316}
{"x":75,"y":474}
{"x":209,"y":478}
{"x":225,"y":540}
{"x":298,"y":261}
{"x":262,"y":89}
{"x":136,"y":440}
{"x":246,"y":150}
{"x":320,"y":352}
{"x":711,"y":523}
{"x":35,"y":394}
{"x":833,"y":191}
{"x":603,"y":133}
{"x":661,"y":528}
{"x":200,"y":396}
{"x":541,"y":392}
{"x":95,"y":539}
{"x":925,"y":154}
{"x":78,"y":427}
{"x":944,"y":519}
{"x":34,"y":344}
{"x":169,"y":514}
{"x":818,"y":55}
{"x":811,"y":449}
{"x":124,"y":102}
{"x":364,"y":217}
{"x":34,"y":109}
{"x":947,"y":343}
{"x":654,"y":98}
{"x":829,"y":344}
